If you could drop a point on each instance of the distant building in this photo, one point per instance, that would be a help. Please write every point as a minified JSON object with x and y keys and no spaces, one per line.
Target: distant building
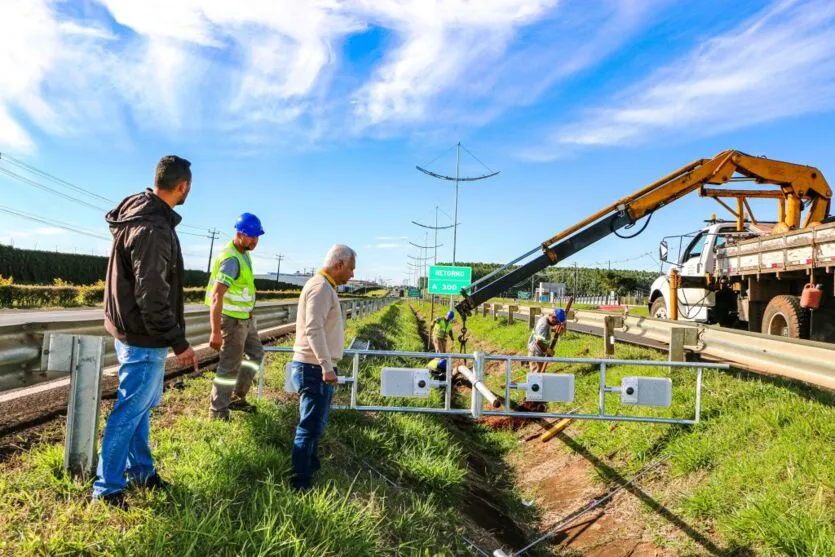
{"x":297,"y":279}
{"x":547,"y":291}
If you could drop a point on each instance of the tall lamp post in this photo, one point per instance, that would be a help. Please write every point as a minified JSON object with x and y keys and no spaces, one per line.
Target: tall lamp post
{"x":457,"y":179}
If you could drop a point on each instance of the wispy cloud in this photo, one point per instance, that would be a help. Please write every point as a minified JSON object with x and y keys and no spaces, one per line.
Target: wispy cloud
{"x":391,"y":237}
{"x":250,"y":68}
{"x":776,"y":64}
{"x":383,"y":245}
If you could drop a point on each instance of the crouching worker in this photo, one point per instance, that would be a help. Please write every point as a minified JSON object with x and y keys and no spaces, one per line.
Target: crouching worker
{"x":320,"y":339}
{"x":231,"y":297}
{"x":437,"y":368}
{"x":538,"y":342}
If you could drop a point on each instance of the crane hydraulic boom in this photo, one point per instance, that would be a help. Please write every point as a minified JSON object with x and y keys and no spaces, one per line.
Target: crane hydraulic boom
{"x":796,"y":185}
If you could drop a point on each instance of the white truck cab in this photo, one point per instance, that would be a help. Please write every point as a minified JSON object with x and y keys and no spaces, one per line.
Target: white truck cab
{"x":696,"y":259}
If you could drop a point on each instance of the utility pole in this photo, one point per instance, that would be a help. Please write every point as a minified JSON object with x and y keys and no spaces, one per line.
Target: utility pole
{"x":458,"y":179}
{"x":576,"y":294}
{"x":435,"y":256}
{"x":278,"y":258}
{"x":213,"y":235}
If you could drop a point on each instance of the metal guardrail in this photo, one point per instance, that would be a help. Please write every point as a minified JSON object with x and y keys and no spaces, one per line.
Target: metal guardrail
{"x":804,"y":360}
{"x":21,"y":345}
{"x":481,"y":393}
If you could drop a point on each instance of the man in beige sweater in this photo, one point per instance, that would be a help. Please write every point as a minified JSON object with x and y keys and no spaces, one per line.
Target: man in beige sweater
{"x":320,"y":339}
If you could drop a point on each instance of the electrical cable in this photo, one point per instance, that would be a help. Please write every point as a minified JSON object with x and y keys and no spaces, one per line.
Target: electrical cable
{"x":60,"y":181}
{"x":43,"y":220}
{"x":47,"y":175}
{"x":628,"y":226}
{"x":444,"y":152}
{"x":40,"y":186}
{"x":589,"y":507}
{"x":479,"y":160}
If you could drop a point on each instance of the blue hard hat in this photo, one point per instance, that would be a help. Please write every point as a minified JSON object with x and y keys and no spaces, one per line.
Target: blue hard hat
{"x":249,"y":225}
{"x":559,"y":313}
{"x":442,"y":365}
{"x":450,"y":315}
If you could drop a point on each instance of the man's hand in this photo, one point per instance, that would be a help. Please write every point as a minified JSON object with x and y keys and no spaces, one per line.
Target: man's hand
{"x":216,"y":340}
{"x":188,"y":358}
{"x":329,"y":377}
{"x":549,"y":352}
{"x":559,"y":329}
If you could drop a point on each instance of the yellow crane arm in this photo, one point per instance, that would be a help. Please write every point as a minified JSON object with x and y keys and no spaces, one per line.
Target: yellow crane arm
{"x":796,"y":185}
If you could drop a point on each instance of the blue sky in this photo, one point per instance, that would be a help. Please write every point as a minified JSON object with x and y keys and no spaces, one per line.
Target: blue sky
{"x":314,"y":114}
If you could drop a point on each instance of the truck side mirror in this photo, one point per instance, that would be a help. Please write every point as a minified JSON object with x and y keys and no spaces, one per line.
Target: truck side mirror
{"x":662,"y":251}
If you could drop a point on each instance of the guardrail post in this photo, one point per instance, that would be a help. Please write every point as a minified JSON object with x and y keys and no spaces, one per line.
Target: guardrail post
{"x":485,"y":308}
{"x":344,"y":308}
{"x":496,"y":309}
{"x":533,"y":316}
{"x":510,"y":310}
{"x":83,"y":357}
{"x":354,"y":311}
{"x":609,"y":324}
{"x":679,"y":337}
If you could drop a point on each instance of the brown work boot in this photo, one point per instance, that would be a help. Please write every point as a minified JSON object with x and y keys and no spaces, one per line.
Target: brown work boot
{"x":222,"y":416}
{"x":240,"y":403}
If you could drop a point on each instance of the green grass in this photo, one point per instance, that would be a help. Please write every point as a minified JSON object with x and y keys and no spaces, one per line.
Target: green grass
{"x":230,"y":492}
{"x":757,"y":472}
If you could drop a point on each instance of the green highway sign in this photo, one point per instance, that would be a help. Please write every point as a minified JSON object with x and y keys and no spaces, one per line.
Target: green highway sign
{"x":449,"y":281}
{"x":414,"y":293}
{"x":523,"y":295}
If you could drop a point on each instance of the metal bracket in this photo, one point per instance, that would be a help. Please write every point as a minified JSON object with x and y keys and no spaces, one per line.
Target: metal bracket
{"x":83,"y":357}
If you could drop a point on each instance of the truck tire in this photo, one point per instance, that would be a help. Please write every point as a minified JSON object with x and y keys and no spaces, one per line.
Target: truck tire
{"x":784,"y":317}
{"x":658,"y":310}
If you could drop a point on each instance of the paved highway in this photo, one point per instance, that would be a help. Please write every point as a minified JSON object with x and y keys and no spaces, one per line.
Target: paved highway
{"x":19,"y":317}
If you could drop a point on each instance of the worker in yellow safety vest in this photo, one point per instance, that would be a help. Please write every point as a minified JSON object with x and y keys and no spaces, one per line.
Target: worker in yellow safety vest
{"x":440,"y":330}
{"x":231,"y":297}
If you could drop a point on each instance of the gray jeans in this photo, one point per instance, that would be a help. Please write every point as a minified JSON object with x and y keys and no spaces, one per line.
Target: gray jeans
{"x":234,"y":373}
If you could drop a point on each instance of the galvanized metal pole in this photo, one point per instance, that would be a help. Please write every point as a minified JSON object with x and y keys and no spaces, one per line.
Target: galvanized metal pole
{"x":86,"y":362}
{"x":261,"y":380}
{"x":455,"y":216}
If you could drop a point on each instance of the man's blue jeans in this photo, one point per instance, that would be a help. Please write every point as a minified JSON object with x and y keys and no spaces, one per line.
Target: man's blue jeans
{"x":125,"y":446}
{"x":314,"y":406}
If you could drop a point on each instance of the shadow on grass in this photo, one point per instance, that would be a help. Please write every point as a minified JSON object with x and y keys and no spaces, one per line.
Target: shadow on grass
{"x":615,"y":477}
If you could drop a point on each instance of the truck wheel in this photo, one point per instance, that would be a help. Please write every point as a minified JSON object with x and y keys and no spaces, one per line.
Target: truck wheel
{"x":658,"y":310}
{"x":784,"y":317}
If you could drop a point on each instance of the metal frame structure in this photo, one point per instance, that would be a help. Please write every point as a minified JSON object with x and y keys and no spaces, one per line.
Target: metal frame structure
{"x":476,"y":409}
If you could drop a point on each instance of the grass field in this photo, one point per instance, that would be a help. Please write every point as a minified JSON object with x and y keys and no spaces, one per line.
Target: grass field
{"x":231,"y":494}
{"x":755,"y":476}
{"x":757,"y":472}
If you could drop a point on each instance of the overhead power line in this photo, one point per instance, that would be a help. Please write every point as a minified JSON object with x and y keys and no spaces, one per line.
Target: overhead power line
{"x":49,"y":222}
{"x":48,"y":176}
{"x":5,"y":157}
{"x":40,"y":186}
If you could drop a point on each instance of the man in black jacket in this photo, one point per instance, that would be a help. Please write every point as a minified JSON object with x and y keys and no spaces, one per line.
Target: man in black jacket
{"x":144,"y":312}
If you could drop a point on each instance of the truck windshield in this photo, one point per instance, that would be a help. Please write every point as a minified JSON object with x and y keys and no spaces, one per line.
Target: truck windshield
{"x":694,"y":249}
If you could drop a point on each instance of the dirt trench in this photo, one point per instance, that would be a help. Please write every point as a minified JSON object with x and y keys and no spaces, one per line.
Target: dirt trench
{"x":560,"y":477}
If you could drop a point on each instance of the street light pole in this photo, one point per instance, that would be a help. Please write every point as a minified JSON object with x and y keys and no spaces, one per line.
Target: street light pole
{"x":458,"y":179}
{"x":455,"y":215}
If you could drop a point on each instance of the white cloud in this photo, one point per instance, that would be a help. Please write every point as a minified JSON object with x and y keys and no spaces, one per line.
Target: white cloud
{"x":391,"y":237}
{"x":777,"y":64}
{"x":440,"y":40}
{"x":252,"y":68}
{"x":387,"y":246}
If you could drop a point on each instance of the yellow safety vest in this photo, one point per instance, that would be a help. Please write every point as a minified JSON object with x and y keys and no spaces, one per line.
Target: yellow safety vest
{"x":239,"y":299}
